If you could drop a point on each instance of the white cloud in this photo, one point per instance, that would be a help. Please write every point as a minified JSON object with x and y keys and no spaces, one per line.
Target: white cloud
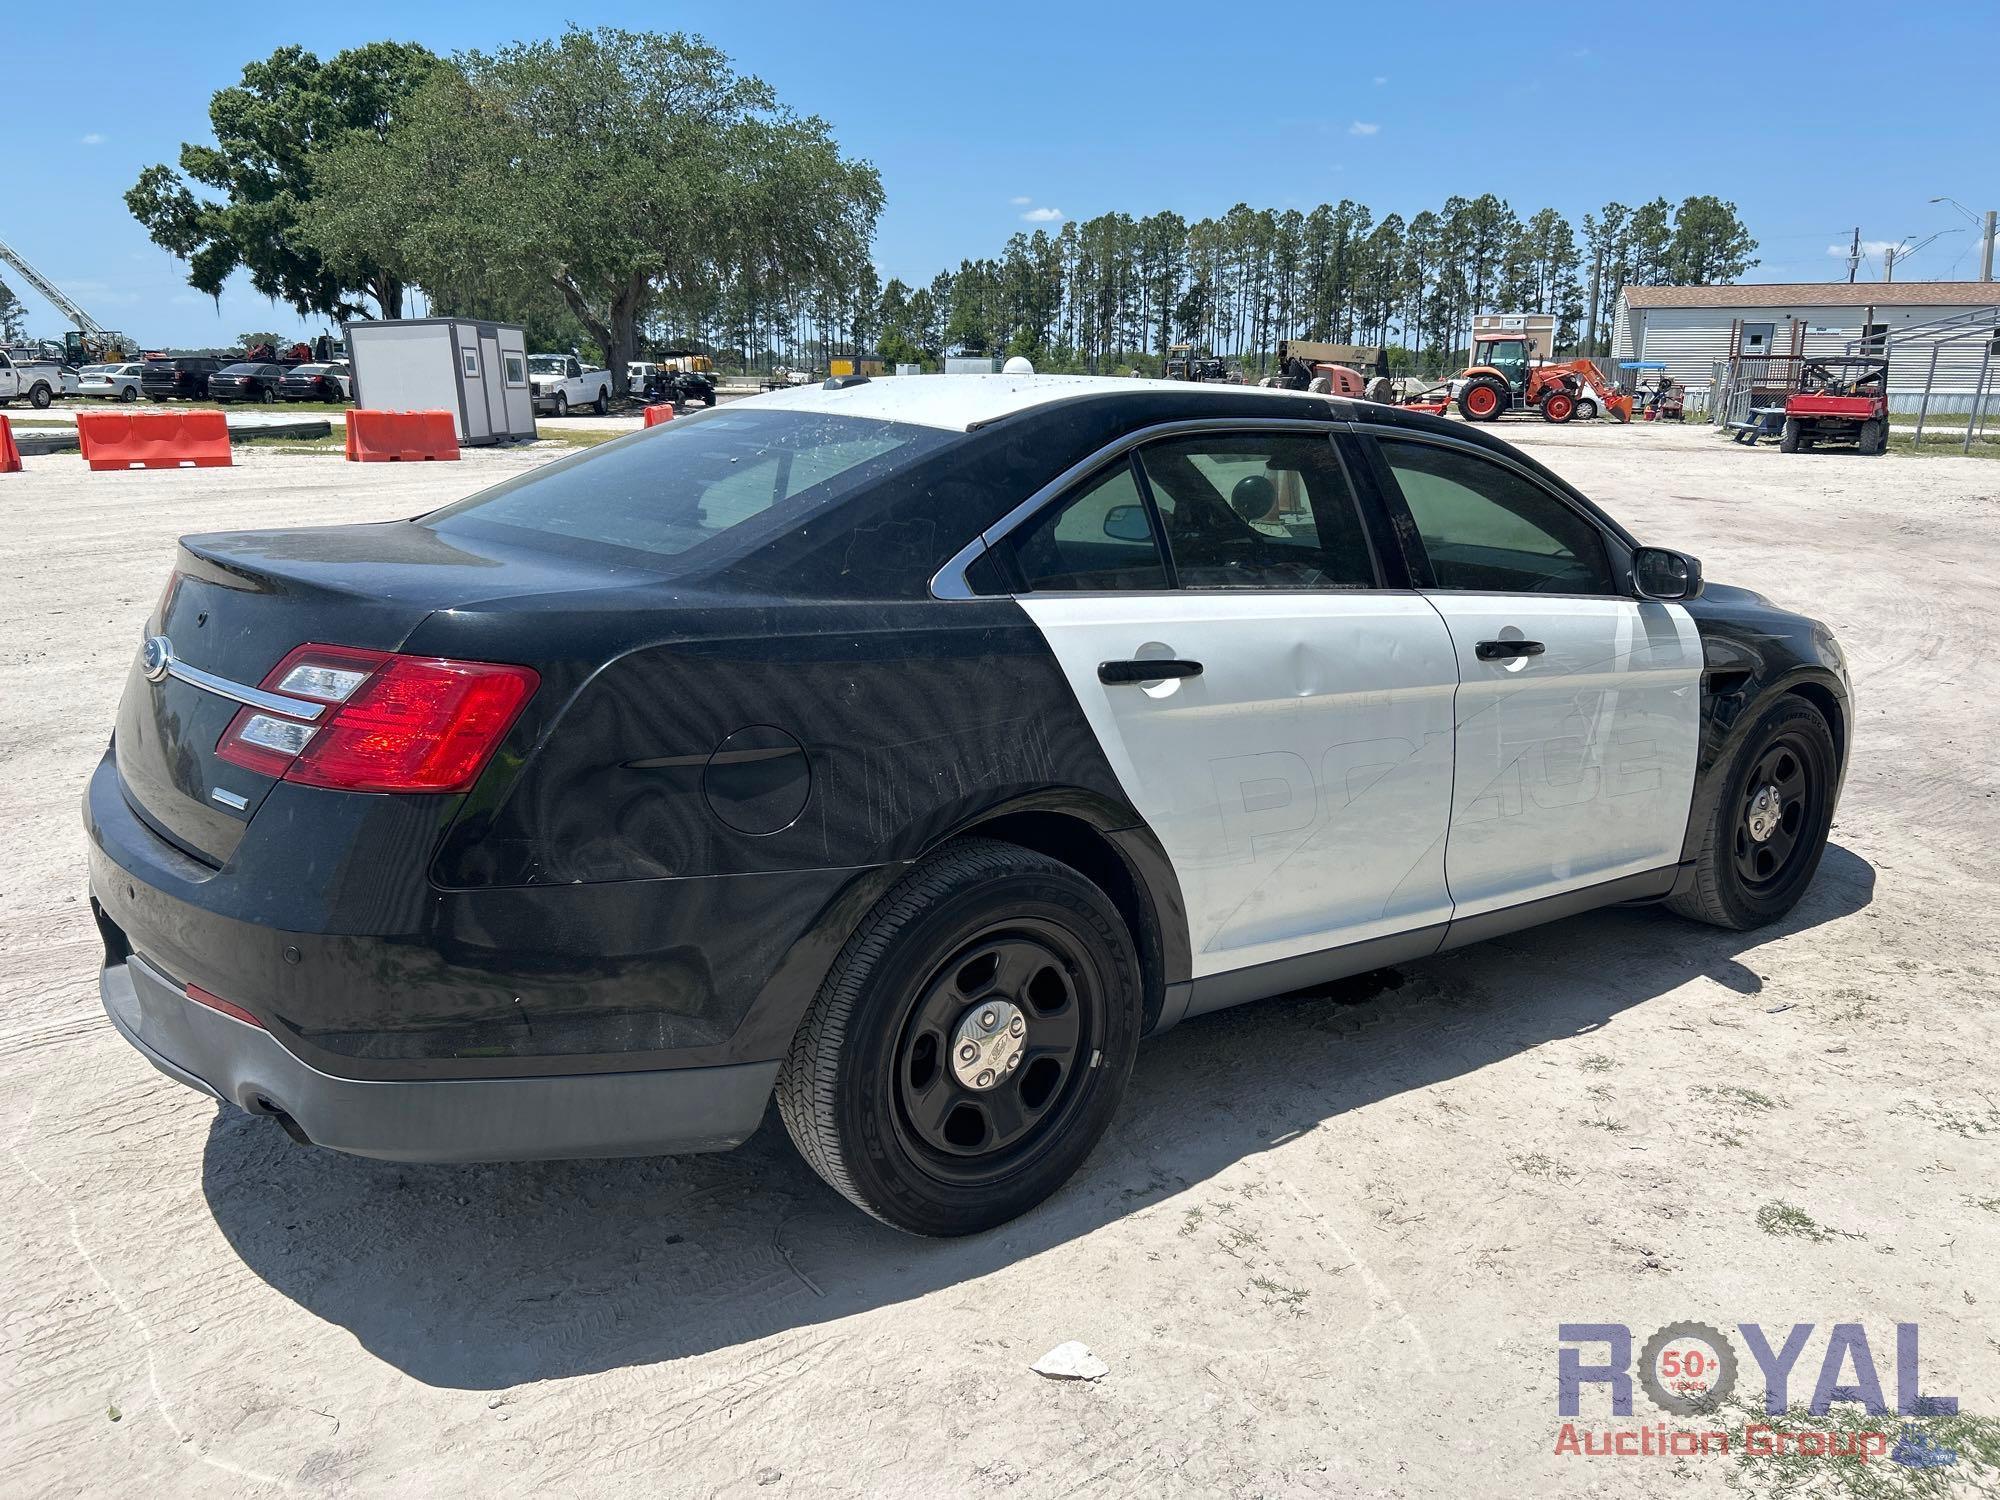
{"x":1380,"y":79}
{"x":1022,"y":201}
{"x":1362,"y":127}
{"x":1042,"y":215}
{"x":1868,"y":248}
{"x":93,"y":139}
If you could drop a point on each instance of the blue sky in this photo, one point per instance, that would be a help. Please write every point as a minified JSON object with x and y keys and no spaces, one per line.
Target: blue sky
{"x":983,"y":119}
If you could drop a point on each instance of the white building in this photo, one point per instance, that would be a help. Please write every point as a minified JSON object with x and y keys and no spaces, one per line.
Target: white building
{"x":1692,"y":329}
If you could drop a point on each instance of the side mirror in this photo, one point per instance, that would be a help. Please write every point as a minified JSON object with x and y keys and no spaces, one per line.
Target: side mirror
{"x":1662,"y":573}
{"x":1127,"y":523}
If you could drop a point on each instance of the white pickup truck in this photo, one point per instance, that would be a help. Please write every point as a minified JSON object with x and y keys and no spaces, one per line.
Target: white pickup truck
{"x":40,"y":381}
{"x":562,"y":384}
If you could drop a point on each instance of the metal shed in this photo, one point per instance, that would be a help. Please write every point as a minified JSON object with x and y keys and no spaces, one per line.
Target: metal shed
{"x":474,"y":369}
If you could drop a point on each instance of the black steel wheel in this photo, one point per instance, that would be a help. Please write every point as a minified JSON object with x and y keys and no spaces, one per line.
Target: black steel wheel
{"x":1763,"y":838}
{"x":970,"y":1044}
{"x":990,"y":1056}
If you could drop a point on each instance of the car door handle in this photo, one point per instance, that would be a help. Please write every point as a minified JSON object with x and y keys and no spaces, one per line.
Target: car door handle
{"x":1507,"y":650}
{"x":1114,"y":672}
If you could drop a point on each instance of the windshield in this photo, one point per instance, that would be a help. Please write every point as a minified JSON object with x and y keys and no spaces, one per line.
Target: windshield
{"x":548,"y":364}
{"x":663,"y":492}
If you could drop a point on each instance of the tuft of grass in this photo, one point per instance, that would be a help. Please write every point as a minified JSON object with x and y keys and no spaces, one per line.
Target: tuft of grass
{"x":1604,"y":1123}
{"x":1737,"y":1098}
{"x":1973,"y":1441}
{"x":1990,"y":1205}
{"x":1289,"y":1299}
{"x":1786,"y":1219}
{"x":1541,"y":1164}
{"x":1970,"y":1124}
{"x":1597,"y":1062}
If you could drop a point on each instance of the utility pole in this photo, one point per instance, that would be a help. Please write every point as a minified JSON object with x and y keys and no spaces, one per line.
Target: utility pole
{"x":1889,"y":264}
{"x":1596,"y":289}
{"x":1854,"y":255}
{"x":1986,"y":250}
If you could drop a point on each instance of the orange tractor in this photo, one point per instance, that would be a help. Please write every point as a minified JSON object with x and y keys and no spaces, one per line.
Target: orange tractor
{"x":1505,"y":376}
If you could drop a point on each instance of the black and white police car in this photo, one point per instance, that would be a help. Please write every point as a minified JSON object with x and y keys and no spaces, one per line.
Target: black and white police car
{"x":910,"y":749}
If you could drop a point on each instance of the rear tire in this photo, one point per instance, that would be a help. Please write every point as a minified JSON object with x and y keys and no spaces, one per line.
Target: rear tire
{"x":1789,"y":441}
{"x":1483,"y":399}
{"x":1742,"y":880}
{"x":40,"y":397}
{"x":1874,"y":436}
{"x":870,"y":1091}
{"x":602,"y":404}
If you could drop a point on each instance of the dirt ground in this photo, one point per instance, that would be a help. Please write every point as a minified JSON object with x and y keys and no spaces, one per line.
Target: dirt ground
{"x":1325,"y":1250}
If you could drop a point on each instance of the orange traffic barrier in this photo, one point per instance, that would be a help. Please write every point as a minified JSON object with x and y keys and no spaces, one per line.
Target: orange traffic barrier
{"x":655,"y":415}
{"x":379,"y":437}
{"x":153,"y":439}
{"x":10,"y":456}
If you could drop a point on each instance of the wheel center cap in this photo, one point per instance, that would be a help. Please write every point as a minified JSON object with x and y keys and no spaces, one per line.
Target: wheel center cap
{"x":987,"y":1043}
{"x":1767,"y":810}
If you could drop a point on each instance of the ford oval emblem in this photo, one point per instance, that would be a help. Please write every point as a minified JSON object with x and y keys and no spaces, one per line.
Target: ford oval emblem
{"x":156,"y":657}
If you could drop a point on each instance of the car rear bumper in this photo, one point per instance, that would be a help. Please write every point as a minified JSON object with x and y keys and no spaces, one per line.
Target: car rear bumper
{"x":445,"y":1120}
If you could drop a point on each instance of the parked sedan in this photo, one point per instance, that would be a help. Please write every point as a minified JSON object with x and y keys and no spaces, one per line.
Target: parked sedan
{"x":253,"y":380}
{"x":183,"y":377}
{"x":910,"y":749}
{"x":313,"y":383}
{"x":111,"y":382}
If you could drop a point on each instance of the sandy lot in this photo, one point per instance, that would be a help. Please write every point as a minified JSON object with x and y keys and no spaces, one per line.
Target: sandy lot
{"x":1325,"y":1250}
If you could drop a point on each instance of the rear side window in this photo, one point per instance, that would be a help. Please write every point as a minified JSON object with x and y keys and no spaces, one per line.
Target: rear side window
{"x":668,"y":490}
{"x":1258,"y":510}
{"x":1099,"y":539}
{"x":1487,"y":528}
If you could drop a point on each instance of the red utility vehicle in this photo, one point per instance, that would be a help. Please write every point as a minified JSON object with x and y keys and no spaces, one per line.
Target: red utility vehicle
{"x":1840,"y":399}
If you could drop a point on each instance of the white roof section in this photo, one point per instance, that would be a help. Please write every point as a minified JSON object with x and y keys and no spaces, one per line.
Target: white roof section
{"x":957,"y":403}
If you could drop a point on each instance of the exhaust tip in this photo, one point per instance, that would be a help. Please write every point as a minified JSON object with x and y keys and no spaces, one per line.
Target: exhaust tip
{"x":286,"y":1123}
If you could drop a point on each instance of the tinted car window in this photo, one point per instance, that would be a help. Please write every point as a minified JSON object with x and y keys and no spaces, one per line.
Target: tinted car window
{"x":674,"y":488}
{"x":1486,"y":527}
{"x":1258,"y":510}
{"x":1100,"y":537}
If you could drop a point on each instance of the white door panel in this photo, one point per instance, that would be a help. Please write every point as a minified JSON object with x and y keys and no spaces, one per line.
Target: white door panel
{"x":1575,"y":766}
{"x":1301,"y":784}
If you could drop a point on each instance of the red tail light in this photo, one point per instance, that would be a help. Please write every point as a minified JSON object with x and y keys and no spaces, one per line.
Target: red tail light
{"x":228,"y":1008}
{"x":391,"y":723}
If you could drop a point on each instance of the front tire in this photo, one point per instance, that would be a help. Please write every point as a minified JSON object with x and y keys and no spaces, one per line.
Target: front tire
{"x":1558,"y":406}
{"x":1767,"y":831}
{"x":898,"y":1089}
{"x":562,"y":405}
{"x":1586,"y":409}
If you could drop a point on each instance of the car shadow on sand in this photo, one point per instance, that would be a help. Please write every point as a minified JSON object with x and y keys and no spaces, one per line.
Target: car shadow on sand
{"x":484,"y":1277}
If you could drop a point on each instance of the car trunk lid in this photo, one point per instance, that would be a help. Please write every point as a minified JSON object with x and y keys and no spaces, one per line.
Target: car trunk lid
{"x":238,"y":604}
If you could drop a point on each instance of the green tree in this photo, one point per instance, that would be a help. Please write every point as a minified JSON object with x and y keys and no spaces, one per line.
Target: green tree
{"x":271,"y":131}
{"x":1709,"y":244}
{"x":634,"y":175}
{"x":13,"y":326}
